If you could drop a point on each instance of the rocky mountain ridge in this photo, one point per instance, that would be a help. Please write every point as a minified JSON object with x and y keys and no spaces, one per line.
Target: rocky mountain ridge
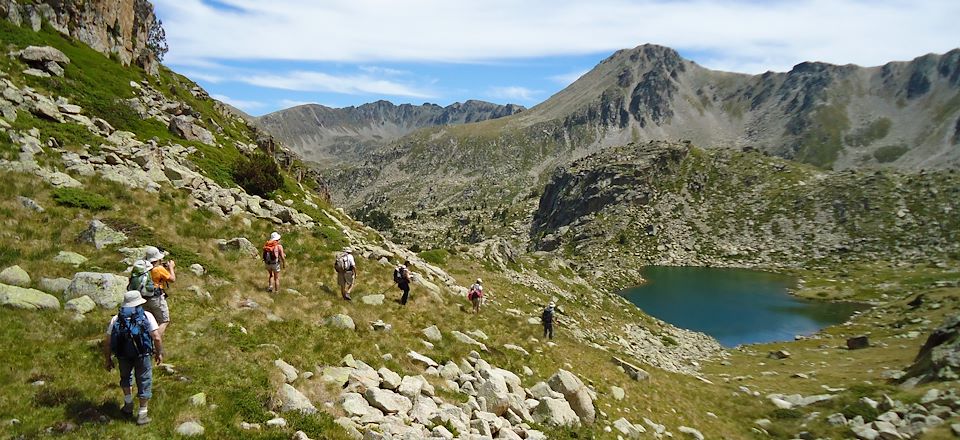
{"x":328,"y":136}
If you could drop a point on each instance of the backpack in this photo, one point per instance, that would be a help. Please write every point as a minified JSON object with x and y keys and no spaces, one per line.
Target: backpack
{"x":129,"y":338}
{"x":547,"y":316}
{"x":143,"y":283}
{"x":398,"y":275}
{"x":342,"y":263}
{"x":271,"y":253}
{"x":474,"y":293}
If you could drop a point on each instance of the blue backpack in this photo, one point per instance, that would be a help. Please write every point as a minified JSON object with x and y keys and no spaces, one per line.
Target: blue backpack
{"x":129,"y":338}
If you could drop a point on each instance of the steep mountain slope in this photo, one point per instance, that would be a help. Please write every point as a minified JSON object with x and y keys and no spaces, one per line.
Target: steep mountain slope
{"x":329,"y":136}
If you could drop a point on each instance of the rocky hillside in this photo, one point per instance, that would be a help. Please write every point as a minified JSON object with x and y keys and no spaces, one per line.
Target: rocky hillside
{"x":675,"y":204}
{"x":329,"y":136}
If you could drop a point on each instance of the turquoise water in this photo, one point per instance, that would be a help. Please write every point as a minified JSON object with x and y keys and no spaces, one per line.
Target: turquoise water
{"x":735,"y":306}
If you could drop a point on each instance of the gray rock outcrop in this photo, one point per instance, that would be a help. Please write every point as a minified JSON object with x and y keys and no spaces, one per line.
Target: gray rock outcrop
{"x":100,"y":235}
{"x":105,"y":289}
{"x":28,"y":299}
{"x":15,"y":276}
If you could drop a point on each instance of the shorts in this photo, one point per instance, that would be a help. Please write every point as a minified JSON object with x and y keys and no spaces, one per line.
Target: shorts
{"x":273,"y":267}
{"x":345,"y":278}
{"x":157,"y":305}
{"x":143,"y":367}
{"x":477,"y":300}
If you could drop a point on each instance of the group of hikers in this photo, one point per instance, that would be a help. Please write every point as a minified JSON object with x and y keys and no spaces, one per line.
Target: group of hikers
{"x":135,"y":334}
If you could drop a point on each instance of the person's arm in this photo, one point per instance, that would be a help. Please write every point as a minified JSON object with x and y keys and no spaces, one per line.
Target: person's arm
{"x":173,"y":273}
{"x":157,"y":346}
{"x":283,"y":258}
{"x":107,"y":356}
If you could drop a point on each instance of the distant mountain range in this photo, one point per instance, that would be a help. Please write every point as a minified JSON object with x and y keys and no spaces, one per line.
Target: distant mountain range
{"x":329,"y":135}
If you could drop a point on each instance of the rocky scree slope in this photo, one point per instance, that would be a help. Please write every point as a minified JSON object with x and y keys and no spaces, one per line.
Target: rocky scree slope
{"x":665,"y":203}
{"x":329,"y":136}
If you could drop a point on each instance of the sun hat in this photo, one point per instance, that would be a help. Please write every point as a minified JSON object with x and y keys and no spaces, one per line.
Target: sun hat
{"x":553,"y":304}
{"x":274,"y":236}
{"x":132,"y":299}
{"x":479,"y":281}
{"x":141,"y":266}
{"x":154,"y":254}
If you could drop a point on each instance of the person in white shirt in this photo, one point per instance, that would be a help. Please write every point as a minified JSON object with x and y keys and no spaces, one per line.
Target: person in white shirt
{"x":136,"y":344}
{"x":346,"y":269}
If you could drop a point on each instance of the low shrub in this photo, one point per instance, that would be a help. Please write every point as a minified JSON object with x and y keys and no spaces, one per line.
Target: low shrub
{"x":79,"y":198}
{"x":435,"y":256}
{"x":258,"y":174}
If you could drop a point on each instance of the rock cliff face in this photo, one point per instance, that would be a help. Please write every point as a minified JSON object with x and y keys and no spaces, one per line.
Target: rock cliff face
{"x":126,"y":29}
{"x":331,"y":135}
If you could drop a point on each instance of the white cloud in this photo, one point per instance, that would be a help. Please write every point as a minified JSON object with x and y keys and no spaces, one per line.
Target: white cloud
{"x":377,"y":70}
{"x":565,"y":79}
{"x":206,"y":77}
{"x":241,"y":104}
{"x":304,"y":81}
{"x":739,"y":35}
{"x":513,"y":92}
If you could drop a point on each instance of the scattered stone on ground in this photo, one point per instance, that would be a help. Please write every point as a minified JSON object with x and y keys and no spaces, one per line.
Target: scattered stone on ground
{"x":15,"y":276}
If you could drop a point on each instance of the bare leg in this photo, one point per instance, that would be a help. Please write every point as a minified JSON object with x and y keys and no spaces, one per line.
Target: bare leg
{"x":276,"y":281}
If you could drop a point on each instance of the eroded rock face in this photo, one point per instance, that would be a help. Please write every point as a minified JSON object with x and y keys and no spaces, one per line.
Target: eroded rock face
{"x":118,"y":27}
{"x":939,"y":358}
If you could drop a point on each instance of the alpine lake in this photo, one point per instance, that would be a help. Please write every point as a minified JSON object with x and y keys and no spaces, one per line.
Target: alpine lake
{"x":735,"y":306}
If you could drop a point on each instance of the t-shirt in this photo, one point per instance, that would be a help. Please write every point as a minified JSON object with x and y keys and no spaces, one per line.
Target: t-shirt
{"x":151,"y":323}
{"x":161,"y":277}
{"x":351,"y":263}
{"x":477,"y":288}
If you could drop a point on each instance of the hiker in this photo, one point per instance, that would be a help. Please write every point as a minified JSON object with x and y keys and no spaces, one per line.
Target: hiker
{"x":274,"y":258}
{"x":548,"y":318}
{"x":133,"y":335}
{"x":401,"y":276}
{"x":346,"y":269}
{"x":162,"y":273}
{"x":475,"y":295}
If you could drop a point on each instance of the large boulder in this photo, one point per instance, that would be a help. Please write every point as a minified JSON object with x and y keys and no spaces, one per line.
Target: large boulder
{"x":238,"y":244}
{"x":433,"y":333}
{"x":555,"y":412}
{"x":100,"y":235}
{"x":289,"y":372}
{"x":15,"y":276}
{"x":355,"y":405}
{"x":939,"y":358}
{"x":28,"y":299}
{"x":292,"y":400}
{"x":576,"y":393}
{"x":105,"y":289}
{"x":43,"y":54}
{"x":187,"y":128}
{"x":388,"y":401}
{"x":341,"y":320}
{"x":81,"y":305}
{"x":54,"y":285}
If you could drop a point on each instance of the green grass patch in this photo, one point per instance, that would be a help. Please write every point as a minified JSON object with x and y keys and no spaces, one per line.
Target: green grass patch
{"x":865,"y":136}
{"x":435,"y":256}
{"x":80,"y":198}
{"x":821,"y":143}
{"x":890,"y":153}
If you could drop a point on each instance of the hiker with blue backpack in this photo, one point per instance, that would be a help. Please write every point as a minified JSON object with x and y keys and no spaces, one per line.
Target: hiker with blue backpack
{"x":274,"y":258}
{"x":133,"y":336}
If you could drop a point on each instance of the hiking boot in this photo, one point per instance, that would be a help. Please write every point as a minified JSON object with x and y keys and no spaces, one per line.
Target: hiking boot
{"x":127,"y":409}
{"x":347,"y":297}
{"x":269,"y":289}
{"x":143,"y":419}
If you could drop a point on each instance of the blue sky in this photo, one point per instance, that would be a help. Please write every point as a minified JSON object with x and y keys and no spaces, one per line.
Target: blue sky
{"x":266,"y":55}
